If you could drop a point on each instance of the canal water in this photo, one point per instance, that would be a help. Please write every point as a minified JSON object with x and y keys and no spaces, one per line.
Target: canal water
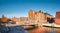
{"x":12,"y":29}
{"x":45,"y":30}
{"x":20,"y":29}
{"x":52,"y":31}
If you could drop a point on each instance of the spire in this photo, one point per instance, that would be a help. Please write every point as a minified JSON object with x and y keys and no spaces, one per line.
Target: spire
{"x":31,"y":10}
{"x":3,"y":16}
{"x":14,"y":17}
{"x":40,"y":11}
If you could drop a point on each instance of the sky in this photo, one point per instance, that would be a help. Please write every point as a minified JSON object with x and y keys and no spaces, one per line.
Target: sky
{"x":20,"y":8}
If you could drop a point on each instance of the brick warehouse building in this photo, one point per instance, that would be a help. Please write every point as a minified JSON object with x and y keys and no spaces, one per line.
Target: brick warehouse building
{"x":57,"y":19}
{"x":3,"y":19}
{"x":38,"y":16}
{"x":33,"y":16}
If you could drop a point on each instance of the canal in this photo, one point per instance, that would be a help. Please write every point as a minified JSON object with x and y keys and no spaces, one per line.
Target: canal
{"x":21,"y":29}
{"x":45,"y":30}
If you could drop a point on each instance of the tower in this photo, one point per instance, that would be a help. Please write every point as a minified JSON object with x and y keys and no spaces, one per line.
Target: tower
{"x":58,"y":14}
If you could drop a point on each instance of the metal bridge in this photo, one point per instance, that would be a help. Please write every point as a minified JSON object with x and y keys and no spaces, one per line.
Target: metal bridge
{"x":34,"y":23}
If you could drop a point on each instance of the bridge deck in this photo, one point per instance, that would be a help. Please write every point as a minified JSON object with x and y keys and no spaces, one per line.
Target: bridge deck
{"x":33,"y":23}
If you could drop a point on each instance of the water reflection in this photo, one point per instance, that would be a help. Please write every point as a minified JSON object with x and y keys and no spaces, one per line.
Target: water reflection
{"x":52,"y":31}
{"x":12,"y":29}
{"x":21,"y":29}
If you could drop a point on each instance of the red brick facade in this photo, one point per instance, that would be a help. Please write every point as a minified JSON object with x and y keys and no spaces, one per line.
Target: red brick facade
{"x":38,"y":16}
{"x":57,"y":19}
{"x":33,"y":17}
